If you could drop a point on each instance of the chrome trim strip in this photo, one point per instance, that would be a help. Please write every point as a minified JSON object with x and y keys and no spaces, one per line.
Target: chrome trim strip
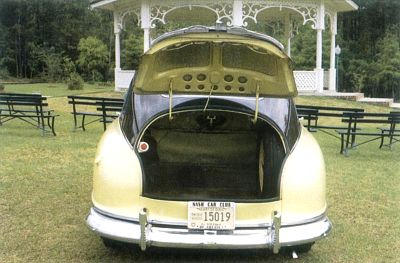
{"x":240,"y":31}
{"x":118,"y":217}
{"x":184,"y":238}
{"x":181,"y":224}
{"x":168,"y":224}
{"x":306,"y":221}
{"x":196,"y":96}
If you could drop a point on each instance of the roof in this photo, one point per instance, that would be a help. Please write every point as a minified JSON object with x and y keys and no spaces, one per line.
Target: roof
{"x":335,"y":5}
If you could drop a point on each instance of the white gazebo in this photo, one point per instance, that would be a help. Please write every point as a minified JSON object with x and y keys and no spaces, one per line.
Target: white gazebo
{"x":239,"y":13}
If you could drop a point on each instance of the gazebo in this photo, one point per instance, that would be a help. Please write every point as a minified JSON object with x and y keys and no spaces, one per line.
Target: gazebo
{"x":238,"y":13}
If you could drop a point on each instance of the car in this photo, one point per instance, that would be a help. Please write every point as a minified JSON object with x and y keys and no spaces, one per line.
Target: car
{"x":208,"y":151}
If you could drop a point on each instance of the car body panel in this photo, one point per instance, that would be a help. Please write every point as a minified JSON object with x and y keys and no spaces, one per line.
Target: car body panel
{"x":117,"y":182}
{"x":303,"y":181}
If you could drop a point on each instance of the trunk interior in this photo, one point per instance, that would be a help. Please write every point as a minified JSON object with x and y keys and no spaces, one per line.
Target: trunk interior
{"x":212,"y":155}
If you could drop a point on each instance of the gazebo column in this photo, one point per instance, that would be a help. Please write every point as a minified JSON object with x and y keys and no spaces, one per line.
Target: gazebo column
{"x":237,"y":13}
{"x":288,"y":34}
{"x":117,"y":31}
{"x":332,"y":68}
{"x":320,"y":26}
{"x":145,"y":16}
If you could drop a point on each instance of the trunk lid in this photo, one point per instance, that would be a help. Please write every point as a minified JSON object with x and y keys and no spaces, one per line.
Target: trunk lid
{"x":216,"y":62}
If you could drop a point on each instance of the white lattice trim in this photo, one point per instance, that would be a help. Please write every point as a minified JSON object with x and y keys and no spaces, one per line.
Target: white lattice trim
{"x":305,"y":80}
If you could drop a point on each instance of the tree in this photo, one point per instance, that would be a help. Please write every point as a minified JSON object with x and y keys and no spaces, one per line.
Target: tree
{"x":362,"y":34}
{"x":54,"y":24}
{"x":93,"y":58}
{"x":132,"y":50}
{"x":386,"y":80}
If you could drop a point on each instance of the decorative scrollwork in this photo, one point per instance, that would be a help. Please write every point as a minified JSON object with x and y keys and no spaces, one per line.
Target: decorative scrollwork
{"x":222,"y":11}
{"x":293,"y":28}
{"x":122,"y":14}
{"x":307,"y":10}
{"x":332,"y":20}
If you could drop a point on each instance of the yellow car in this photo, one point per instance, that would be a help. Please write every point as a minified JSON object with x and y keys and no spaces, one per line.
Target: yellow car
{"x":208,"y":151}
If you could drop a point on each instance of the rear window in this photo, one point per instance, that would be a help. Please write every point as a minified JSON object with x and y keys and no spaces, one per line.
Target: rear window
{"x":187,"y":55}
{"x":248,"y":58}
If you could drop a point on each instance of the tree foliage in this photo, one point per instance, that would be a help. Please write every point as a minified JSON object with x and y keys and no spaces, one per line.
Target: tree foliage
{"x":38,"y":35}
{"x":385,"y":69}
{"x":92,"y":58}
{"x":370,"y":39}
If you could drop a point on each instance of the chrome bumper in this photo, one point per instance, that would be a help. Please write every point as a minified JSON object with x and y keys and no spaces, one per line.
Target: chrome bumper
{"x":146,"y":235}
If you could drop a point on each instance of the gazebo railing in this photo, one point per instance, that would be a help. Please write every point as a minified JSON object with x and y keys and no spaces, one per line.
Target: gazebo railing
{"x":123,"y":78}
{"x":305,"y":80}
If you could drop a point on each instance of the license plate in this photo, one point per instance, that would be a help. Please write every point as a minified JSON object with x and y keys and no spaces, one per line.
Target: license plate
{"x":211,"y":215}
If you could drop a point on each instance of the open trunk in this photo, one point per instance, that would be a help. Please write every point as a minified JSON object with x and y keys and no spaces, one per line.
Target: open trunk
{"x":212,"y":155}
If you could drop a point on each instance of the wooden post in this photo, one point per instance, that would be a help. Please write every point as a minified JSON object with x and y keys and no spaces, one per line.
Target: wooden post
{"x":320,"y":26}
{"x":332,"y":68}
{"x":146,"y":24}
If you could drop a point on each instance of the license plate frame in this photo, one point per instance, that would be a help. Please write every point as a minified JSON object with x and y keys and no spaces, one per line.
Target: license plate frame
{"x":211,"y":215}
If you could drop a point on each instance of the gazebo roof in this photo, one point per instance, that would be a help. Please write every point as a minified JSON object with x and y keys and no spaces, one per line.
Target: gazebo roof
{"x":335,"y":5}
{"x":282,"y":14}
{"x":230,"y":12}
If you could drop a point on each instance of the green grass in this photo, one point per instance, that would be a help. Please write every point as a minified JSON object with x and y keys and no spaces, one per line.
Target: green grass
{"x":55,"y":89}
{"x":45,"y":187}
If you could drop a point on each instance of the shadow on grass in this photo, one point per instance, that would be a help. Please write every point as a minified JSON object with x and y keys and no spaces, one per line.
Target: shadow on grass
{"x":132,"y":252}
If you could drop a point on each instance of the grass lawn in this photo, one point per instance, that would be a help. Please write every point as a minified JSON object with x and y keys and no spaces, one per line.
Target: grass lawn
{"x":55,"y":89}
{"x":45,"y":187}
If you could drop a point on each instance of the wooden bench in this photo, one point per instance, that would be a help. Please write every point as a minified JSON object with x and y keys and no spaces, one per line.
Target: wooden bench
{"x":391,"y":132}
{"x":355,"y":119}
{"x":30,"y":108}
{"x":103,"y":109}
{"x":312,"y":115}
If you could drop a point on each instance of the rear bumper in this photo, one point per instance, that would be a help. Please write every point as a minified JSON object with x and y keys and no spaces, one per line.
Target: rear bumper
{"x":181,"y":237}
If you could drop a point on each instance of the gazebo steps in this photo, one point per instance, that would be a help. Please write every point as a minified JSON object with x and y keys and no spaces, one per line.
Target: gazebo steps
{"x":355,"y":96}
{"x":338,"y":95}
{"x":378,"y":101}
{"x":395,"y":106}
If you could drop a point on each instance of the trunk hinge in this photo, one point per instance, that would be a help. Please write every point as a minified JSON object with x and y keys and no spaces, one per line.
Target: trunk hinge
{"x":257,"y":103}
{"x":170,"y":99}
